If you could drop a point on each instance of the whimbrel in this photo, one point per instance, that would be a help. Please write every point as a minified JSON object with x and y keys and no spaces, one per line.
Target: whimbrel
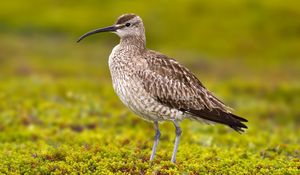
{"x":158,"y":88}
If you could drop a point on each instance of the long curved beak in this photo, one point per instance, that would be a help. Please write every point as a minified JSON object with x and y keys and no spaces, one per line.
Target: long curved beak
{"x":105,"y":29}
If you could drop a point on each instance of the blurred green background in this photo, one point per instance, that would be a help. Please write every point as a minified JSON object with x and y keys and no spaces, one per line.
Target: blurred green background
{"x":59,"y":114}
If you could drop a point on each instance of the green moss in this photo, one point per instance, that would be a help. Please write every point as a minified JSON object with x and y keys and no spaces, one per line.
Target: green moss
{"x":58,"y":127}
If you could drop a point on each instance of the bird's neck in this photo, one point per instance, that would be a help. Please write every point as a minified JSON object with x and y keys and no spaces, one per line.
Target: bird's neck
{"x":134,"y":42}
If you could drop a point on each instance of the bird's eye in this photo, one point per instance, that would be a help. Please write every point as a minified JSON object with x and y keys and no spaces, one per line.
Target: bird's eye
{"x":127,"y":24}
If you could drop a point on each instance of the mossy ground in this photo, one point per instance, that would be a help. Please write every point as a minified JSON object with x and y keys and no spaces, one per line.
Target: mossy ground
{"x":59,"y":114}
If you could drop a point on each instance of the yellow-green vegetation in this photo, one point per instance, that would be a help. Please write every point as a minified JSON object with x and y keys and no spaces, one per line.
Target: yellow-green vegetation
{"x":59,"y":114}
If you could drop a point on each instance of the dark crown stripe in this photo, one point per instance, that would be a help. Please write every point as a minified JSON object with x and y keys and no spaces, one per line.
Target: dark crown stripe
{"x":122,"y":19}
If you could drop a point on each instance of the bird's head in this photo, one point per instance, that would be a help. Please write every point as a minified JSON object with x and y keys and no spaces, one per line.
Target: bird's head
{"x":126,"y":26}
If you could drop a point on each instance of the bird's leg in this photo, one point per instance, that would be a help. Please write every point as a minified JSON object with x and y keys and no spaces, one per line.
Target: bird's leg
{"x":178,"y":132}
{"x":156,"y":139}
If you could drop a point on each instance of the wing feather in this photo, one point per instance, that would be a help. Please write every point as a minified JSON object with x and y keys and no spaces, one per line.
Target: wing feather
{"x":175,"y":86}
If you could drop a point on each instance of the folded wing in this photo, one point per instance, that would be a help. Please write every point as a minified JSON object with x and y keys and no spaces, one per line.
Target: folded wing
{"x":175,"y":86}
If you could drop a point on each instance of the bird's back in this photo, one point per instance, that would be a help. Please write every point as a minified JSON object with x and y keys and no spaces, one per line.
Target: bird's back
{"x":173,"y":85}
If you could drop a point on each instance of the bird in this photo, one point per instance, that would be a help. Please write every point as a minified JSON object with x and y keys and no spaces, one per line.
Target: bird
{"x":158,"y":88}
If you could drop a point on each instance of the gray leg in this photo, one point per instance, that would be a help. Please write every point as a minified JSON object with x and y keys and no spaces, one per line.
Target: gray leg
{"x":156,"y":139}
{"x":178,"y":134}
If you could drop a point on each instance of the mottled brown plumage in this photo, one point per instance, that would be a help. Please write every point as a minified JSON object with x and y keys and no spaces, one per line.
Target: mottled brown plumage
{"x":157,"y":87}
{"x":175,"y":86}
